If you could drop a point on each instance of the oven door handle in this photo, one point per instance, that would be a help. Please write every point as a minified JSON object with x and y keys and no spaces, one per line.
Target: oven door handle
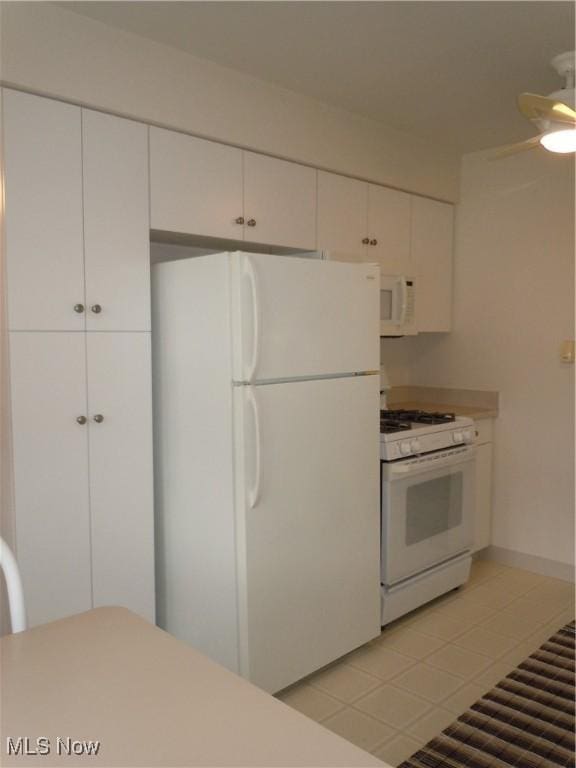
{"x":401,"y":470}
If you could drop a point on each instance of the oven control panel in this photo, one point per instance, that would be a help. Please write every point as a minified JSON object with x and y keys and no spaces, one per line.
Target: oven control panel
{"x":411,"y":443}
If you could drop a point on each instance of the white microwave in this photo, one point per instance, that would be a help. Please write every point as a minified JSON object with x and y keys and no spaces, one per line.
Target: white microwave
{"x":397,"y":306}
{"x":397,"y":297}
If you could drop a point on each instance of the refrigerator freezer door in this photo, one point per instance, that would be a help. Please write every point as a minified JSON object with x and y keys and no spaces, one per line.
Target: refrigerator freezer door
{"x":299,"y":318}
{"x":308,"y":522}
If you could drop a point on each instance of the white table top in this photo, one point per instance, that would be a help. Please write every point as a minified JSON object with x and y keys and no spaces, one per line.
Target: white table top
{"x":149,"y":699}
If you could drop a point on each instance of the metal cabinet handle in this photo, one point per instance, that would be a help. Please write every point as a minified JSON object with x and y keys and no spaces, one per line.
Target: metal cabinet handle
{"x":79,"y":308}
{"x":251,"y":222}
{"x":365,"y":240}
{"x":81,"y":419}
{"x":96,"y":308}
{"x":98,"y":418}
{"x":239,"y":220}
{"x":373,"y":242}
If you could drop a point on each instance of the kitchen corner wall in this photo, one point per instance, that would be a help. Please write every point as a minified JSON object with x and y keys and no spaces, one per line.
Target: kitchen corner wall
{"x":513,"y":306}
{"x":56,"y":52}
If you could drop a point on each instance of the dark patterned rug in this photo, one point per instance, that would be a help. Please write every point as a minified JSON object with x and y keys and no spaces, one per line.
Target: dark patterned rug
{"x":526,"y":721}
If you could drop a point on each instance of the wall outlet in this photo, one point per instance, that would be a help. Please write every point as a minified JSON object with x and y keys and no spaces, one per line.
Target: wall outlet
{"x":567,"y":351}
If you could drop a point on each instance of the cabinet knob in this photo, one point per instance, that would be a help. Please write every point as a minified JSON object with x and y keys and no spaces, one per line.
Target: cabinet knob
{"x":79,"y":308}
{"x":251,"y":222}
{"x":373,"y":242}
{"x":96,"y":308}
{"x":98,"y":418}
{"x":365,"y":240}
{"x":239,"y":220}
{"x":81,"y":419}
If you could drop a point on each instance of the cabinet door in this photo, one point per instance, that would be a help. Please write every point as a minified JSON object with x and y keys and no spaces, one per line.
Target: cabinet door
{"x":280,"y":198}
{"x":195,"y":185}
{"x":343,"y":217}
{"x":389,"y":228}
{"x":432,"y":234}
{"x":483,"y":510}
{"x":48,"y":383}
{"x":311,"y":562}
{"x":116,"y":228}
{"x":43,"y":161}
{"x":121,"y":503}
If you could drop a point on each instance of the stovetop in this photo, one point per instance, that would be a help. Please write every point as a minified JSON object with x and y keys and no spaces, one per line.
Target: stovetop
{"x":403,"y":420}
{"x":406,"y":433}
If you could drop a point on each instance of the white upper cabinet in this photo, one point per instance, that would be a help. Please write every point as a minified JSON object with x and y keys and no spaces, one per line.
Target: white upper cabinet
{"x":195,"y":186}
{"x":279,"y":202}
{"x":44,"y":242}
{"x":389,"y":230}
{"x":77,"y":230}
{"x":116,"y":226}
{"x":432,"y":237}
{"x":364,"y":222}
{"x":203,"y":188}
{"x":342,"y":217}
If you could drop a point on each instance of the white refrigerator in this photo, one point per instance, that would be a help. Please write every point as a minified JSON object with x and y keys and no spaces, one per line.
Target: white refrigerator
{"x":266,"y":399}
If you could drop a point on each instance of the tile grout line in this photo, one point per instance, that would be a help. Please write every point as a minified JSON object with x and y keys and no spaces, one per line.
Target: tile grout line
{"x":442,"y":610}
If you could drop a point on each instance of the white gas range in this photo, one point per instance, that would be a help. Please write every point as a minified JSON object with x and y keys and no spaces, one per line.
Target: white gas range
{"x":427,"y":506}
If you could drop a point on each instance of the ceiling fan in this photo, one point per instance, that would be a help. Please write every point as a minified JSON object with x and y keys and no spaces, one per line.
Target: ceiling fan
{"x":554,"y":115}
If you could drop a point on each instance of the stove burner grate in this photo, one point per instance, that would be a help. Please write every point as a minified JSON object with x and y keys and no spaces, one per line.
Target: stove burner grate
{"x":417,"y":417}
{"x":388,"y":426}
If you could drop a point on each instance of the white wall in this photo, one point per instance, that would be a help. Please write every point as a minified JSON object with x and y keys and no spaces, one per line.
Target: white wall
{"x":396,"y":357}
{"x":59,"y":53}
{"x":514,"y":304}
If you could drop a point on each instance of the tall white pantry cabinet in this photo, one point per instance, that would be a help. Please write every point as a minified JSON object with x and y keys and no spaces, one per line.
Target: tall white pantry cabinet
{"x":78,"y":285}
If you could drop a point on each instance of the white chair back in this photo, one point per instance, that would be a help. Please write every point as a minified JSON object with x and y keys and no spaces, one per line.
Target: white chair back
{"x":9,"y":566}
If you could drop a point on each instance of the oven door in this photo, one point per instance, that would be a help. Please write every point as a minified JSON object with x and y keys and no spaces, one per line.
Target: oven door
{"x":427,"y":512}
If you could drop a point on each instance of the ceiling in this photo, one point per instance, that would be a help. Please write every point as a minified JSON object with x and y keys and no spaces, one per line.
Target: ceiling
{"x":448,"y":71}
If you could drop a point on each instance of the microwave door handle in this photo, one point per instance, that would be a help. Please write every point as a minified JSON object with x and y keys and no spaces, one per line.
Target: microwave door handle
{"x":403,"y":300}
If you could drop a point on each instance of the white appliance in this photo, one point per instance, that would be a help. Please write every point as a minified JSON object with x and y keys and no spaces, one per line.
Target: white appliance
{"x":266,"y":387}
{"x":397,"y":298}
{"x":397,"y":306}
{"x":428,"y":469}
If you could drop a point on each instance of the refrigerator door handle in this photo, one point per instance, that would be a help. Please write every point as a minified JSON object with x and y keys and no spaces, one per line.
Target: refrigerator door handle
{"x":250,"y":274}
{"x":254,"y":492}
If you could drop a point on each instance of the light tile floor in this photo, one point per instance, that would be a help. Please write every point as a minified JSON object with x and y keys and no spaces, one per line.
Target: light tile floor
{"x":397,"y":692}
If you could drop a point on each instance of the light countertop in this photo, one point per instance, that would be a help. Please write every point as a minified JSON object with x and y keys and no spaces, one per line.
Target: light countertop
{"x":475,"y":403}
{"x":473,"y":411}
{"x":149,"y":699}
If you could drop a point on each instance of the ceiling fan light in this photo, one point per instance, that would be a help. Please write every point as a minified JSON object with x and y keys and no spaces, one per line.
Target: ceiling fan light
{"x":563,"y":141}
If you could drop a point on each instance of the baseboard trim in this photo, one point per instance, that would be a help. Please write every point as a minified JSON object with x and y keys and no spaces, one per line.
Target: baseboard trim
{"x":533,"y":563}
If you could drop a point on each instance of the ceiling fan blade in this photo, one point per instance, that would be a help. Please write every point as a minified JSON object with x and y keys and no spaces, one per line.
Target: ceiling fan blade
{"x":536,"y":107}
{"x":513,"y":149}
